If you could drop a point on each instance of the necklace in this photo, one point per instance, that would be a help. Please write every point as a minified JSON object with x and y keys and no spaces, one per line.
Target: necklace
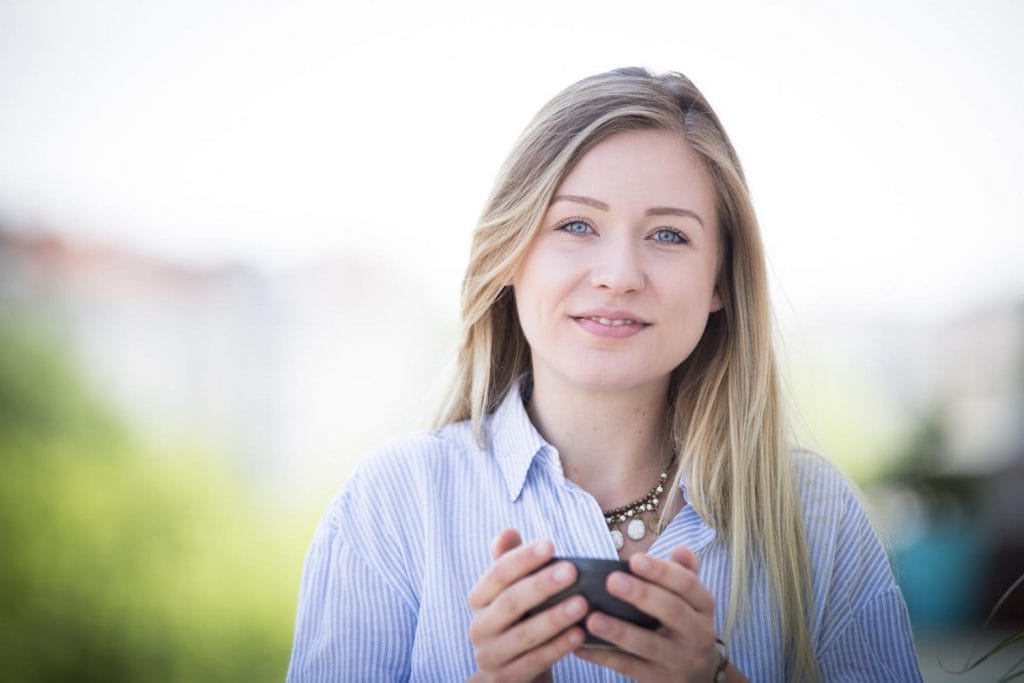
{"x":636,"y":529}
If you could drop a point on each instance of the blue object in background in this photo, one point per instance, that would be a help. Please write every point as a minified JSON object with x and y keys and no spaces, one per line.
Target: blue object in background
{"x":940,"y":575}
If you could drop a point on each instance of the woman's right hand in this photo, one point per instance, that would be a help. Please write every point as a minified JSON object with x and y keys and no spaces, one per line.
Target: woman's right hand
{"x":505,"y":649}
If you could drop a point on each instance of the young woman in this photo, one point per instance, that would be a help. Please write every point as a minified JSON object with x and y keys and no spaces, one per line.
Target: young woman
{"x":616,"y":397}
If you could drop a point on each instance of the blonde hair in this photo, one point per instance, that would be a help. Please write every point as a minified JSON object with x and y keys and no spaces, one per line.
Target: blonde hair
{"x":725,"y":418}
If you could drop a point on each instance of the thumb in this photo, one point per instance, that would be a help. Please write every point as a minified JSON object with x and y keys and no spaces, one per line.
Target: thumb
{"x":505,"y":541}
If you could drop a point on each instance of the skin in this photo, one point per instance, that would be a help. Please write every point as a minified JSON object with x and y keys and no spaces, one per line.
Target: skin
{"x":607,"y":244}
{"x":601,"y":401}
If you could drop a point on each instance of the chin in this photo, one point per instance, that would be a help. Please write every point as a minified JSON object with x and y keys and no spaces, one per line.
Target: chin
{"x":616,"y":378}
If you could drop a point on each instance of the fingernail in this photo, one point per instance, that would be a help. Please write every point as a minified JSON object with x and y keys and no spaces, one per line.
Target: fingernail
{"x":540,"y":548}
{"x":575,"y":638}
{"x":598,"y":624}
{"x":620,"y":584}
{"x":574,"y":607}
{"x":563,"y":573}
{"x":642,"y":563}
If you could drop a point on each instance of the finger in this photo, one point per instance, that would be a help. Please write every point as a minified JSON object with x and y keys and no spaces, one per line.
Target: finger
{"x":513,"y":565}
{"x":674,"y":577}
{"x":540,"y":659}
{"x":625,"y":664}
{"x":641,"y":649}
{"x":530,"y":633}
{"x":642,"y":643}
{"x":671,"y":609}
{"x":505,"y":541}
{"x":513,"y":602}
{"x":686,"y":557}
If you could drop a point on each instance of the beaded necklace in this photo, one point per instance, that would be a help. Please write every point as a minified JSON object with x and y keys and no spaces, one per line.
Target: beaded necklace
{"x":633,"y":512}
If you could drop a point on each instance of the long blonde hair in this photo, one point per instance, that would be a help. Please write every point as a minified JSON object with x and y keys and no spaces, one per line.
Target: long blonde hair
{"x":726,"y":418}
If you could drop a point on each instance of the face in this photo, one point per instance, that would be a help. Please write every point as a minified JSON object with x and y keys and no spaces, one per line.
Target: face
{"x":616,"y":288}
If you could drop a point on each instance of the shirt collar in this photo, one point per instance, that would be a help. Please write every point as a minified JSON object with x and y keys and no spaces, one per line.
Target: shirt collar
{"x":516,"y":443}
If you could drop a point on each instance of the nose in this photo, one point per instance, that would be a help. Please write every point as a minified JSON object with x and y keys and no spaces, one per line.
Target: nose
{"x":619,"y":269}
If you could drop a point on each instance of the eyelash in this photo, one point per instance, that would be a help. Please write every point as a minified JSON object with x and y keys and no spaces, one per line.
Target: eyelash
{"x":564,"y":226}
{"x":677,"y":236}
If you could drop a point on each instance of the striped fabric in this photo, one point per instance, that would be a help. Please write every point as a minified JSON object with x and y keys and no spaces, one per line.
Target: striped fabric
{"x":383,"y":594}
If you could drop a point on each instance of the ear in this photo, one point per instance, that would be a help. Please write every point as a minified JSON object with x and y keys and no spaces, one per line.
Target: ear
{"x":716,"y":301}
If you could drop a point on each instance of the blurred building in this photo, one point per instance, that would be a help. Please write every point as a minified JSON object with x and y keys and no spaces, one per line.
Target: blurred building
{"x":982,"y":388}
{"x":292,"y":374}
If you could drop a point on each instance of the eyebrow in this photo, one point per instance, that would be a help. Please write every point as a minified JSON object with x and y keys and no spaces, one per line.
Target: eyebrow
{"x":653,"y":211}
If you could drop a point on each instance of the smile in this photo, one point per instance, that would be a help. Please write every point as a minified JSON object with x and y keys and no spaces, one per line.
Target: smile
{"x":619,"y":327}
{"x":618,"y":322}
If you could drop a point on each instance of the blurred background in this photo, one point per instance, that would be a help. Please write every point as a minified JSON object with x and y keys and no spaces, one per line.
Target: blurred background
{"x":231,"y":240}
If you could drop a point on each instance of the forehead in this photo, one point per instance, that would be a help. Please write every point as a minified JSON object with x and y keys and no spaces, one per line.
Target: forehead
{"x":640,"y":169}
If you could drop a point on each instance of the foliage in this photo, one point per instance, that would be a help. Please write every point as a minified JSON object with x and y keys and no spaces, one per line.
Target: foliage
{"x":1016,"y":637}
{"x":122,"y":560}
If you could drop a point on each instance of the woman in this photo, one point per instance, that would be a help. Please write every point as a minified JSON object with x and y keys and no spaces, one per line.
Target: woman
{"x":616,"y":397}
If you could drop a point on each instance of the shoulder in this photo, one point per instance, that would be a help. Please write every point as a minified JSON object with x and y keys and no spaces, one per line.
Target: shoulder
{"x":396,"y":456}
{"x":850,"y":565}
{"x":396,"y":460}
{"x":825,"y":492}
{"x":384,"y":507}
{"x":858,"y":606}
{"x":410,"y":467}
{"x":816,"y":471}
{"x":841,"y":538}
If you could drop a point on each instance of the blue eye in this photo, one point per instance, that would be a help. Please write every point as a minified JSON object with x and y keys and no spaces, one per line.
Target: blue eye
{"x":669,"y":236}
{"x":576,"y":227}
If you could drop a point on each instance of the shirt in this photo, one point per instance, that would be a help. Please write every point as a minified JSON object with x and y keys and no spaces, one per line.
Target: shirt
{"x":385,"y":584}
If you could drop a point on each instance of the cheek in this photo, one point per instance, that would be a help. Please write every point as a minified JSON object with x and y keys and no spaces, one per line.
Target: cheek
{"x":529,"y":298}
{"x":535,"y":313}
{"x":539,"y":284}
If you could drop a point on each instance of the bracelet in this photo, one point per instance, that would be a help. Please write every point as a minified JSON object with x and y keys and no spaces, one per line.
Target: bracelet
{"x":723,"y":664}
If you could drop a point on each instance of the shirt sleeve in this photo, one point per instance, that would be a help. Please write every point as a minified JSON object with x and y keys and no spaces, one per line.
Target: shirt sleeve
{"x":352,"y":622}
{"x":867,"y":634}
{"x":876,"y":644}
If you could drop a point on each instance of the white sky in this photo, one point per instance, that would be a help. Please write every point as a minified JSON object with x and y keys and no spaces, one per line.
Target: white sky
{"x":882,"y":140}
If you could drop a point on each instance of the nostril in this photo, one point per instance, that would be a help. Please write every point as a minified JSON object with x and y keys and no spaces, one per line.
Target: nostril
{"x":620,"y":282}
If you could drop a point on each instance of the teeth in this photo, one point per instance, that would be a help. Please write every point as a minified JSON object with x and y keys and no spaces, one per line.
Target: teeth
{"x":612,"y":323}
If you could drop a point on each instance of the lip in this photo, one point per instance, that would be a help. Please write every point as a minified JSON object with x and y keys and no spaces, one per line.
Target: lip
{"x":586,"y":320}
{"x":612,"y":314}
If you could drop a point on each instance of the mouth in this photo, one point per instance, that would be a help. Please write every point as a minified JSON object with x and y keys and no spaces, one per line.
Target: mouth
{"x":611,"y":322}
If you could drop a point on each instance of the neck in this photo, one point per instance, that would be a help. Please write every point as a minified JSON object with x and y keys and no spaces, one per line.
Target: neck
{"x":612,"y":443}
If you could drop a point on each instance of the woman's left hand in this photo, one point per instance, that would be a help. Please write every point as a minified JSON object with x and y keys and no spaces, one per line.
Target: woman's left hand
{"x":684,"y":648}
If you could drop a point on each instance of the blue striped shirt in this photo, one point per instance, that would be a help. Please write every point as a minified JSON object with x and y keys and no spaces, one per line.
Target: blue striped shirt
{"x":383,"y":594}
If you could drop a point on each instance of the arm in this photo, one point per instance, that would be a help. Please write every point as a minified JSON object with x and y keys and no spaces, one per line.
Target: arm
{"x":866,"y":631}
{"x":352,"y":622}
{"x":876,"y":644}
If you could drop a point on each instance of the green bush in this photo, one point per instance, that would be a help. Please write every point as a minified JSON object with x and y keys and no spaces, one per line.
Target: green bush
{"x":126,"y":561}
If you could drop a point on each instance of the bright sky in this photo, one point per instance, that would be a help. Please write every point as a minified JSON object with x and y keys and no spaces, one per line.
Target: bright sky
{"x":882,"y":141}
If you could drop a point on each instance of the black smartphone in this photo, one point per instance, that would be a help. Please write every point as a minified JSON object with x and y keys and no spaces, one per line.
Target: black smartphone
{"x":591,"y":578}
